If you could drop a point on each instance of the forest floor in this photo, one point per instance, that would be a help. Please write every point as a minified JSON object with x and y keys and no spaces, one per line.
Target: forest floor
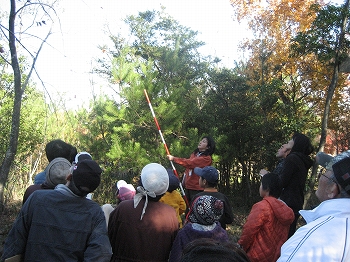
{"x":7,"y":217}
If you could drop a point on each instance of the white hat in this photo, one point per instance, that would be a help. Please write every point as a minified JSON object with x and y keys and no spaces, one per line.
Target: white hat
{"x":155,"y":178}
{"x":82,"y":156}
{"x":155,"y":182}
{"x":121,"y":183}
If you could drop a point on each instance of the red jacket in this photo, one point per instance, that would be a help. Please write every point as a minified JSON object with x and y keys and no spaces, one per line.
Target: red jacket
{"x":190,"y":180}
{"x":266,"y":229}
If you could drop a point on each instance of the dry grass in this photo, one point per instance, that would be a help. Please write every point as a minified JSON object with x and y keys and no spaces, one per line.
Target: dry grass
{"x":7,"y":217}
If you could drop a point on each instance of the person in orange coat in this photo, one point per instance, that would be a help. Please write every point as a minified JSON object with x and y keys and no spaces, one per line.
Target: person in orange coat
{"x":200,"y":157}
{"x":173,"y":198}
{"x":267,"y":225}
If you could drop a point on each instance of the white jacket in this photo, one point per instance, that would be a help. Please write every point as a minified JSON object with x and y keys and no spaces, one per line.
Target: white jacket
{"x":325,"y":237}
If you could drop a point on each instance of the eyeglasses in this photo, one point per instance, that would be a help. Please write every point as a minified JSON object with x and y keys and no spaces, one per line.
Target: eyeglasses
{"x":321,"y":173}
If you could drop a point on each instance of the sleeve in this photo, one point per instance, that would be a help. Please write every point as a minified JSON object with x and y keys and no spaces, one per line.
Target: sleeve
{"x":252,"y":226}
{"x":193,"y":161}
{"x":98,"y":246}
{"x":178,"y":245}
{"x":16,"y":240}
{"x":288,"y":170}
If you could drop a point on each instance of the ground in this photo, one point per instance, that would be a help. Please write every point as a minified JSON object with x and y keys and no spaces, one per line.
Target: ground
{"x":7,"y":217}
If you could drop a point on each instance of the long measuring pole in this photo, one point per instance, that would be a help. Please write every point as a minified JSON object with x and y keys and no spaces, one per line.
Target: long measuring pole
{"x":165,"y":145}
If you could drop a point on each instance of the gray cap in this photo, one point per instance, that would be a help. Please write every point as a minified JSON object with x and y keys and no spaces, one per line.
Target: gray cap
{"x":57,"y":172}
{"x":323,"y":159}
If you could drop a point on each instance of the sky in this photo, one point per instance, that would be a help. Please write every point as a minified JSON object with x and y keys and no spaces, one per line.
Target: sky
{"x":65,"y":64}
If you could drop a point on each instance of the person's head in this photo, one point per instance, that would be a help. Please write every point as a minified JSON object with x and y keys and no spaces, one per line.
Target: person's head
{"x":270,"y":185}
{"x":300,"y":143}
{"x":58,"y":148}
{"x":81,"y":156}
{"x":84,"y":177}
{"x":334,"y":179}
{"x":206,"y":146}
{"x":126,"y":192}
{"x":57,"y":172}
{"x":154,"y":182}
{"x":208,"y":176}
{"x":283,"y":151}
{"x":205,"y":210}
{"x":174,"y":182}
{"x":210,"y":250}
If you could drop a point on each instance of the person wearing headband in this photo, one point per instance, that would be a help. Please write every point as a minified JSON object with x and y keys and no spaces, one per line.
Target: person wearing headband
{"x":143,"y":229}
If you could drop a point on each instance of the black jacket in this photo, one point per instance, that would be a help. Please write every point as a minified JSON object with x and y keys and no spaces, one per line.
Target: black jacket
{"x":293,"y":179}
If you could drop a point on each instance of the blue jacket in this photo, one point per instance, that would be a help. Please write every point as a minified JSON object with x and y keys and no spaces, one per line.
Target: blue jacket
{"x":57,"y":225}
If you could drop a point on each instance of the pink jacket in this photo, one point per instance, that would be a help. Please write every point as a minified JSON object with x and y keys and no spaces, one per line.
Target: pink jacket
{"x":266,"y":229}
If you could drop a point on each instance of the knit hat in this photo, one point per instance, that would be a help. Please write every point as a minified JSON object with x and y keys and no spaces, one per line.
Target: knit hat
{"x":340,"y":165}
{"x":57,"y":172}
{"x":205,"y":210}
{"x":155,"y":182}
{"x":174,"y":182}
{"x":81,"y":156}
{"x":209,"y":173}
{"x":87,"y":175}
{"x":126,"y":192}
{"x":328,"y":161}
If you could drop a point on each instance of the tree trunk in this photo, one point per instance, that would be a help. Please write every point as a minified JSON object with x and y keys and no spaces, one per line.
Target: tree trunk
{"x":13,"y":139}
{"x":17,"y":104}
{"x":331,"y":88}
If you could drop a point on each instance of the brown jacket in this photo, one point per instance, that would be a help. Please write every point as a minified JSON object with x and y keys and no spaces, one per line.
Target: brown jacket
{"x":149,"y":239}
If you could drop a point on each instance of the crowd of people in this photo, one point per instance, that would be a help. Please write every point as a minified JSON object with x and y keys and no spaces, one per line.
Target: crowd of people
{"x":59,"y":221}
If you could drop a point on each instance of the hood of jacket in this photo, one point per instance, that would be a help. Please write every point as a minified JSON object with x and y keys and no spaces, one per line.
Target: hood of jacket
{"x":308,"y":162}
{"x":282,"y":212}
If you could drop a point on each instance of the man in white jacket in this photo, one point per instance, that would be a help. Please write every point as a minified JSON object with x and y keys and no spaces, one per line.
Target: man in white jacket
{"x":326,"y":236}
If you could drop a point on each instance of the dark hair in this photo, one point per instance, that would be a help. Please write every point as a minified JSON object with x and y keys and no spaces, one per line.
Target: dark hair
{"x":212,"y":184}
{"x":272,"y":183}
{"x":174,"y":182}
{"x":211,"y":146}
{"x":302,"y":144}
{"x":210,"y":250}
{"x":58,"y":148}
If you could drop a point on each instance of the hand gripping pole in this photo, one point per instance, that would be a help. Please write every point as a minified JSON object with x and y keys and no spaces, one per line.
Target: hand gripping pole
{"x":165,"y":145}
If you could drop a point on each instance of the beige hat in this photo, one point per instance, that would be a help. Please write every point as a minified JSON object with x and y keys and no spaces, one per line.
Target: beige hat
{"x":57,"y":172}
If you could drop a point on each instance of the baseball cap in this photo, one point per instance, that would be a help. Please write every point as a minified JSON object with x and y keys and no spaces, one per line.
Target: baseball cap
{"x":209,"y":173}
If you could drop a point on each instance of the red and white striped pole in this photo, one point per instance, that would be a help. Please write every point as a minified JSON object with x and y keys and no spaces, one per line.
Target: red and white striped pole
{"x":165,"y":145}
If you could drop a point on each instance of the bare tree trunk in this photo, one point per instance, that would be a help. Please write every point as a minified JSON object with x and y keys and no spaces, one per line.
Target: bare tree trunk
{"x":333,"y":83}
{"x":18,"y":91}
{"x":331,"y":88}
{"x":13,"y":139}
